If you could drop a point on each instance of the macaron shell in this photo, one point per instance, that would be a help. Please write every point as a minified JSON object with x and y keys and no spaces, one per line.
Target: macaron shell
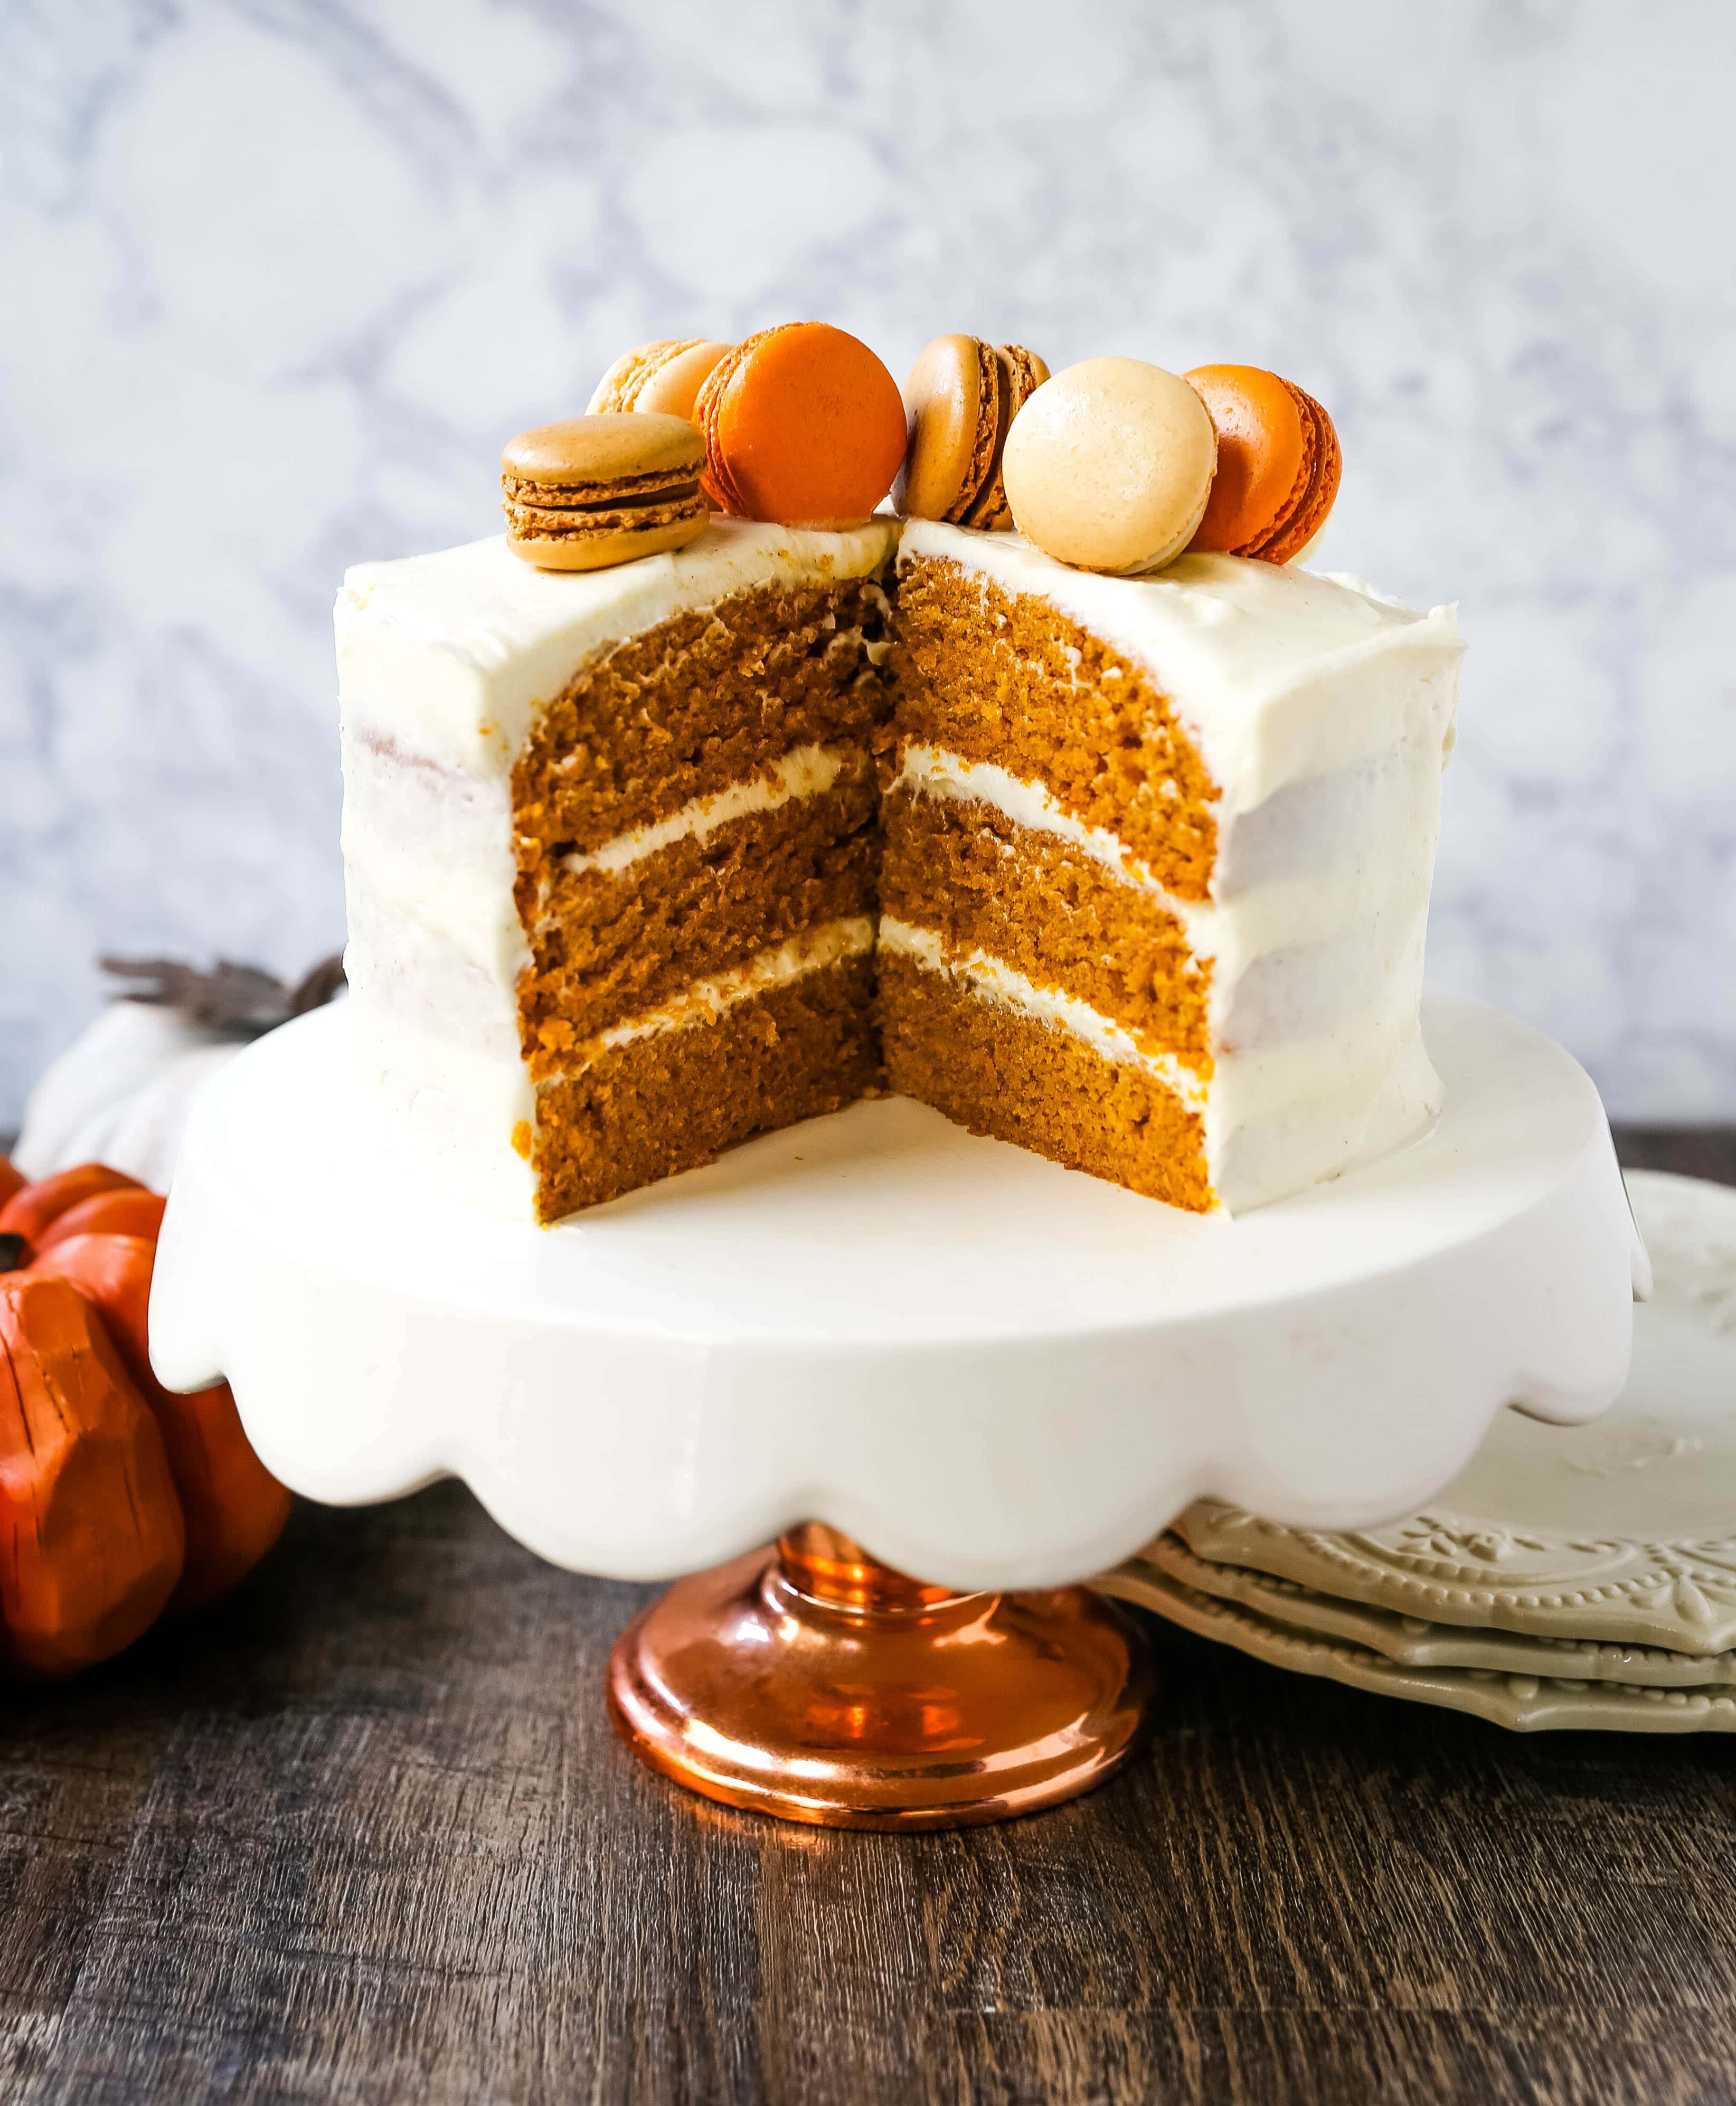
{"x":714,"y":480}
{"x":534,"y":511}
{"x":601,"y":447}
{"x":614,"y":391}
{"x":1109,"y":466}
{"x":603,"y":552}
{"x":674,"y":386}
{"x":1177,"y":546}
{"x":1022,"y":373}
{"x":994,"y":413}
{"x":943,"y":402}
{"x":801,"y":422}
{"x":1264,"y":444}
{"x":1325,"y":470}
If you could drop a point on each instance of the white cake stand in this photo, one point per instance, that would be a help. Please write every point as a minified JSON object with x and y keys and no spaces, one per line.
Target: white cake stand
{"x":993,"y":1372}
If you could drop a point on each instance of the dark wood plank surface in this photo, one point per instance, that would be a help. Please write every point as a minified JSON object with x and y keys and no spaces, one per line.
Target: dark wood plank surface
{"x":362,"y":1833}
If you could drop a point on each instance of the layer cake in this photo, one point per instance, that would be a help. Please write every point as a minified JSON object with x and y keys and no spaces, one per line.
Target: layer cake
{"x":1133,"y":872}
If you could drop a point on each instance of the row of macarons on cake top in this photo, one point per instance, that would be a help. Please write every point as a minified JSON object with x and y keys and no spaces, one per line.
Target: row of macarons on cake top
{"x":1112,"y":465}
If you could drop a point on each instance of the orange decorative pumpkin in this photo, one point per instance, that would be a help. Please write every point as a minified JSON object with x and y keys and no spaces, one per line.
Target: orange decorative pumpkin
{"x":118,"y":1499}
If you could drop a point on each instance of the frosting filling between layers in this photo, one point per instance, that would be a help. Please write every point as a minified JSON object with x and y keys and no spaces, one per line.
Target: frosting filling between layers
{"x":993,"y":980}
{"x":804,"y":771}
{"x":702,"y":1001}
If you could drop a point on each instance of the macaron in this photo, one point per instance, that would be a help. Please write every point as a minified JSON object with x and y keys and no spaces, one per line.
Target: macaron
{"x":1109,"y":466}
{"x":1278,"y":463}
{"x":665,"y":376}
{"x":595,"y":491}
{"x":802,"y":422}
{"x":960,"y":401}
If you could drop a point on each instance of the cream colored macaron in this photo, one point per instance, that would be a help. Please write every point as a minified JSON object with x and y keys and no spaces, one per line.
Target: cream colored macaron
{"x":662,"y":378}
{"x":1110,"y":464}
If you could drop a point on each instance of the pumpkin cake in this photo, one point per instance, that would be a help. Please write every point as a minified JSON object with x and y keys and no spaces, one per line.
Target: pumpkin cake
{"x":1156,"y":856}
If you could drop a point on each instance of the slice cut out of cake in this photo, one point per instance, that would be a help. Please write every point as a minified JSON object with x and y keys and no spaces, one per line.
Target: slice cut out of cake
{"x":1132,"y":873}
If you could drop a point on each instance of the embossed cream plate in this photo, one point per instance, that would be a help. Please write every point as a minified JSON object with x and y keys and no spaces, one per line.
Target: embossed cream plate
{"x":1525,"y":1703}
{"x":1618,"y":1534}
{"x":1412,"y":1641}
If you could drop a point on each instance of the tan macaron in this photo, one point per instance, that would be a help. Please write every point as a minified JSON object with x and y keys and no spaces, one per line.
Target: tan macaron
{"x":1109,"y":466}
{"x":595,"y":491}
{"x":960,"y":401}
{"x":664,"y":377}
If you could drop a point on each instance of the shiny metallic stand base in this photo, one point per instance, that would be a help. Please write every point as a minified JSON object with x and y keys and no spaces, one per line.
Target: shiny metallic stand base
{"x":810,"y":1682}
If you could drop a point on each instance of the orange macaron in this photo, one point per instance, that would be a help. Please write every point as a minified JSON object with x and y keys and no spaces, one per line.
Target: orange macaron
{"x":802,"y":422}
{"x":1278,"y":463}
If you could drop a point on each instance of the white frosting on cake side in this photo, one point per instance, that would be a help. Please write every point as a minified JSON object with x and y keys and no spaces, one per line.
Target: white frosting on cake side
{"x":1324,"y":712}
{"x":460,"y":650}
{"x":1275,"y":674}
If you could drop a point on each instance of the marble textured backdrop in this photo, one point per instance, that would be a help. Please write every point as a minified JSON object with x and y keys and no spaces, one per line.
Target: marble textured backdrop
{"x":277,"y":277}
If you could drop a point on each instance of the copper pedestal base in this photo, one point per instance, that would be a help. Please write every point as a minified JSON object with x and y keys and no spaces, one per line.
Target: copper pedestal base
{"x":808,"y":1681}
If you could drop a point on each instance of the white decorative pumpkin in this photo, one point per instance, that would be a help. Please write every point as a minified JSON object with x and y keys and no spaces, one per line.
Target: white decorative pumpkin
{"x":120,"y":1093}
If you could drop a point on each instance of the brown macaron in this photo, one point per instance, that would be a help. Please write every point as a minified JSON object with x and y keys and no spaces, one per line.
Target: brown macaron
{"x":1278,"y":463}
{"x":595,"y":491}
{"x":664,"y":377}
{"x":960,"y":401}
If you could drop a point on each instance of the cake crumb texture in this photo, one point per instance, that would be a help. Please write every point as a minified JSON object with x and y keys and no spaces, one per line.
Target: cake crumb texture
{"x":1014,"y":1077}
{"x":1010,"y":680}
{"x":673,"y":1100}
{"x":982,"y":882}
{"x":684,"y":710}
{"x":606,"y":945}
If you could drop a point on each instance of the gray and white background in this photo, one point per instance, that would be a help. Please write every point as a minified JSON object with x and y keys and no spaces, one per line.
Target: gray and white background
{"x":278,"y":277}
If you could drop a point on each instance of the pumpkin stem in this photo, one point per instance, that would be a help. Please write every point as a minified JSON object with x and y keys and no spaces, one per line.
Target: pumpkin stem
{"x":239,"y":1002}
{"x":15,"y":1251}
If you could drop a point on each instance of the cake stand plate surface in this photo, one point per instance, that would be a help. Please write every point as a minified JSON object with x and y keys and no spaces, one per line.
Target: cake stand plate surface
{"x":988,"y":1371}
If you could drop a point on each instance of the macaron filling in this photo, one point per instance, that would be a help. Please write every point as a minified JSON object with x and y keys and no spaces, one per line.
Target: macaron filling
{"x":985,"y":445}
{"x":630,"y":490}
{"x":1018,"y":376}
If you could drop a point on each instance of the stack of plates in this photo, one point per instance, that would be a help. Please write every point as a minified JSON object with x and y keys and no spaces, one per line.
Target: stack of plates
{"x":1568,"y":1577}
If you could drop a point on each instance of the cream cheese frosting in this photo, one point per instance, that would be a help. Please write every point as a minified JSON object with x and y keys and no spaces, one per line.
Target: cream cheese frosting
{"x":459,"y":651}
{"x":1276,"y":674}
{"x":1323,"y":711}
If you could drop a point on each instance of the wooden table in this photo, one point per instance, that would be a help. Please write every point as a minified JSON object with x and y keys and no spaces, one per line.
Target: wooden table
{"x":362,"y":1833}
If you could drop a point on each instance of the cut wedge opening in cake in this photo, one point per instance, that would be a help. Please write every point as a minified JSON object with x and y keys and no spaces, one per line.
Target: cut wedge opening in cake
{"x":1133,"y":873}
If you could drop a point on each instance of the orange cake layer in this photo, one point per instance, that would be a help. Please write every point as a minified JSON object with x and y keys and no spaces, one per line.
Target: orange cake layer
{"x":1012,"y":1076}
{"x":1006,"y":678}
{"x":982,"y":882}
{"x":691,"y":706}
{"x":673,"y":1099}
{"x":611,"y":942}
